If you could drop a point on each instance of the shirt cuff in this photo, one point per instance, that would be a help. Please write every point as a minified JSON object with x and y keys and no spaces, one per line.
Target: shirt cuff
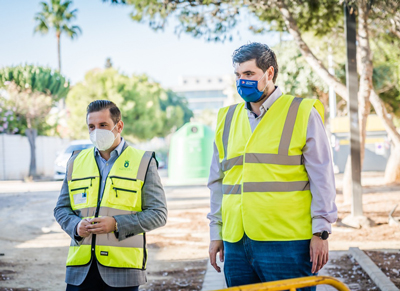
{"x":320,"y":224}
{"x":215,"y":232}
{"x":78,"y":239}
{"x":116,"y":233}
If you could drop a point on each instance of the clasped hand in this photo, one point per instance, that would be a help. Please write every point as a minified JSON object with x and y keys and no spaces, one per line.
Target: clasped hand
{"x":97,"y":225}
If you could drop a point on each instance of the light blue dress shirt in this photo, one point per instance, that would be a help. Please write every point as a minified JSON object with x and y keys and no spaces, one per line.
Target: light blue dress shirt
{"x":105,"y":166}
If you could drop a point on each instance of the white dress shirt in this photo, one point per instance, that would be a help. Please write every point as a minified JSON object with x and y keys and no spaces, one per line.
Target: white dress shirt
{"x":318,"y":163}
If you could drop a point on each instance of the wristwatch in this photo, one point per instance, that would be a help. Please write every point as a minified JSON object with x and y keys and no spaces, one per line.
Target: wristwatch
{"x":116,"y":225}
{"x":322,"y":235}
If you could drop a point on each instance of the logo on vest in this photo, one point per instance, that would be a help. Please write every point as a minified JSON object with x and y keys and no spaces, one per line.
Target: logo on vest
{"x":126,"y":165}
{"x":103,"y":253}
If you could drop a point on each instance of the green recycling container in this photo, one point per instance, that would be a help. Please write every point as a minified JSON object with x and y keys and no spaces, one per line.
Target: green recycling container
{"x":190,"y":154}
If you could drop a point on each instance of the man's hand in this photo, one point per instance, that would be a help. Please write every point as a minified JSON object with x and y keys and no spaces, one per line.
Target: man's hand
{"x":100,"y":225}
{"x":319,"y":253}
{"x":81,"y":228}
{"x":216,"y":246}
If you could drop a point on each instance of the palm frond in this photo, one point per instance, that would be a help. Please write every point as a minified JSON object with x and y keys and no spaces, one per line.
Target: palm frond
{"x":42,"y":28}
{"x":45,"y":6}
{"x":76,"y":28}
{"x":56,"y":15}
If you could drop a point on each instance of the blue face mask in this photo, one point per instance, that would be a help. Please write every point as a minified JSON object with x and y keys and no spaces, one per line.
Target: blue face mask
{"x":248,"y":89}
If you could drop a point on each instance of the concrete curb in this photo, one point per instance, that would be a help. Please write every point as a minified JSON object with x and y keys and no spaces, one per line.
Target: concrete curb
{"x":212,"y":279}
{"x":372,"y":270}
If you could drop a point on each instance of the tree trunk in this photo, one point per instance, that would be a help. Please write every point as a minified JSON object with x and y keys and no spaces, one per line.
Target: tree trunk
{"x":381,"y":111}
{"x":364,"y":62}
{"x":59,"y":51}
{"x":31,"y":133}
{"x":392,"y":173}
{"x":339,"y":88}
{"x":311,"y":59}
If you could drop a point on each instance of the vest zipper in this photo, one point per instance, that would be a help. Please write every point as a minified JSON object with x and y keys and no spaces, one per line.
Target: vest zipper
{"x":96,"y":214}
{"x":79,"y":179}
{"x":144,"y":252}
{"x":83,"y":188}
{"x":120,"y":189}
{"x":119,"y":177}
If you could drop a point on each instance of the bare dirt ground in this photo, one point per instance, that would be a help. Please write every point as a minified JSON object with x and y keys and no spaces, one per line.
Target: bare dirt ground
{"x":35,"y":248}
{"x":180,"y":251}
{"x":176,"y":276}
{"x":389,"y":263}
{"x":378,"y":201}
{"x":346,"y":269}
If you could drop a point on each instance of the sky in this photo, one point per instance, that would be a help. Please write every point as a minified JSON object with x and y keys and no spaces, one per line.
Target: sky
{"x":107,"y":31}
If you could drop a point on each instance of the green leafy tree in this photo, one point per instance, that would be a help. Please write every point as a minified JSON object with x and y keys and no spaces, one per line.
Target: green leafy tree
{"x":57,"y":16}
{"x":386,"y":76}
{"x":30,"y":92}
{"x":215,"y":20}
{"x":174,"y":105}
{"x":296,"y":77}
{"x":10,"y":123}
{"x":147,"y":109}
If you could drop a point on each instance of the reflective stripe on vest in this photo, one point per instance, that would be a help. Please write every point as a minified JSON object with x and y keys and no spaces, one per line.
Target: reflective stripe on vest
{"x":265,"y":185}
{"x":121,"y":196}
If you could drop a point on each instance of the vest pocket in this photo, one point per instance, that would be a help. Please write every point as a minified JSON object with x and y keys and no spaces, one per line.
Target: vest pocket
{"x":121,"y":196}
{"x":79,"y":196}
{"x":123,"y":191}
{"x":81,"y":191}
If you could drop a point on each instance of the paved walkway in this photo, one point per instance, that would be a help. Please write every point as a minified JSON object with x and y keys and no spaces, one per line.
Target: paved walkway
{"x":214,"y":280}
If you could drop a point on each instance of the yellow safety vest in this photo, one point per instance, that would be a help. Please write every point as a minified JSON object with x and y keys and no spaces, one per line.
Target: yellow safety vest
{"x":266,"y":192}
{"x":122,"y":195}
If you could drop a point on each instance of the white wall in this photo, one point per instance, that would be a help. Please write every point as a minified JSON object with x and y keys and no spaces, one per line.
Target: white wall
{"x":15,"y":155}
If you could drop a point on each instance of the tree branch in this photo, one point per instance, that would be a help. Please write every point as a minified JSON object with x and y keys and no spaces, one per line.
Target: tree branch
{"x":311,"y":59}
{"x":381,"y":111}
{"x":339,"y":88}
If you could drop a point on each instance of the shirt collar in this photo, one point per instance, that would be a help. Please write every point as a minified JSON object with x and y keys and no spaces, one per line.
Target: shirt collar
{"x":270,"y":100}
{"x":117,"y":150}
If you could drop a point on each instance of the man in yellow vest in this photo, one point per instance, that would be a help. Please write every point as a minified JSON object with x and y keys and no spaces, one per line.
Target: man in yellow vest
{"x":271,"y":180}
{"x":111,"y":196}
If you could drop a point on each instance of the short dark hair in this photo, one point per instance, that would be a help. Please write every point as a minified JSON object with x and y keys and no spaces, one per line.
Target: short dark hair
{"x":99,"y":105}
{"x":264,"y":56}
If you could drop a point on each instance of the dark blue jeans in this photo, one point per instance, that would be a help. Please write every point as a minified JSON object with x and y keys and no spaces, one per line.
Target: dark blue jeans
{"x":250,"y":262}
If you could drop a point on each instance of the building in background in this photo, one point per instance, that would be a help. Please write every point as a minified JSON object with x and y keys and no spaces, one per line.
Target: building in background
{"x":206,"y":94}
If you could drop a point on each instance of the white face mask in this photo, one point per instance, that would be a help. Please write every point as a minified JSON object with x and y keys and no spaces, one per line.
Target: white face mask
{"x":103,"y":139}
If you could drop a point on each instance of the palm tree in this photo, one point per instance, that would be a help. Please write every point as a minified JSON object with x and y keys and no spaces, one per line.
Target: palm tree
{"x":56,"y":16}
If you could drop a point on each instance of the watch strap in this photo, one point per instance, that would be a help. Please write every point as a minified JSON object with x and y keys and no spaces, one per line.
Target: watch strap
{"x":322,"y":235}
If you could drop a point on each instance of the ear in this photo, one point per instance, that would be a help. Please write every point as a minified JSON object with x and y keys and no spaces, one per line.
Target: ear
{"x":120,"y":126}
{"x":270,"y":73}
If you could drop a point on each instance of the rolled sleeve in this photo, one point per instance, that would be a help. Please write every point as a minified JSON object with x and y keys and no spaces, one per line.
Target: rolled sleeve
{"x":319,"y":166}
{"x":215,"y":186}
